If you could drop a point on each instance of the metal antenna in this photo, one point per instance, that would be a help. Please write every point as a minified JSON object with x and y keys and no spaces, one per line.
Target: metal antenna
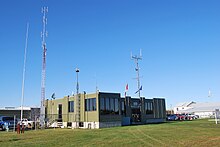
{"x":43,"y":76}
{"x":24,"y":68}
{"x":136,"y":58}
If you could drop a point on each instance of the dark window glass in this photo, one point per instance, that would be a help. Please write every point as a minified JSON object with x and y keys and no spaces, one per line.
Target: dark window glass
{"x":116,"y":106}
{"x":107,"y":104}
{"x":71,"y":106}
{"x":149,"y":107}
{"x":87,"y":104}
{"x":94,"y":104}
{"x":102,"y":104}
{"x":123,"y":107}
{"x":112,"y":104}
{"x":90,"y":104}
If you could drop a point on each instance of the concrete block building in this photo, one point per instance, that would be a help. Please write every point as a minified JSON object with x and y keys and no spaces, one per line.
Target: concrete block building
{"x":101,"y":110}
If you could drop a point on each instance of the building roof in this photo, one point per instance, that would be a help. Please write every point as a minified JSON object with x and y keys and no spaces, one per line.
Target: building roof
{"x":202,"y":107}
{"x":16,"y":108}
{"x":185,"y":104}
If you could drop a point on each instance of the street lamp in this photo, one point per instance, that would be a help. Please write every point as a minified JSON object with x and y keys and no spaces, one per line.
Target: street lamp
{"x":77,"y":99}
{"x":77,"y":82}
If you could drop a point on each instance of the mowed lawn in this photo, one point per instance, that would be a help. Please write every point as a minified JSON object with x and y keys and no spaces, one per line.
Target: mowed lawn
{"x":185,"y":133}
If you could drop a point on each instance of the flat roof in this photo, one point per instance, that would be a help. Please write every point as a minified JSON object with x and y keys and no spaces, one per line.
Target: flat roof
{"x":16,"y":108}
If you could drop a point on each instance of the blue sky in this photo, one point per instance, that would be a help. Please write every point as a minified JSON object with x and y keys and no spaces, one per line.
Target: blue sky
{"x":180,"y":42}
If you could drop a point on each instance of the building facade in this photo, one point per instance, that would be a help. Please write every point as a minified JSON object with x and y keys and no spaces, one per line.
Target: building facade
{"x":28,"y":112}
{"x":101,"y":110}
{"x":201,"y":109}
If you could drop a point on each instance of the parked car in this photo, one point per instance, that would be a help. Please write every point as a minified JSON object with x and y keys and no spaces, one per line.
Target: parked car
{"x":181,"y":116}
{"x":7,"y":122}
{"x":192,"y":116}
{"x":172,"y":117}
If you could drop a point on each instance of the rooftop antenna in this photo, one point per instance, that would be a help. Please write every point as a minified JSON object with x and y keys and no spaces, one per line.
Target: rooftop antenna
{"x":24,"y":68}
{"x":96,"y":83}
{"x":137,"y":69}
{"x":43,"y":76}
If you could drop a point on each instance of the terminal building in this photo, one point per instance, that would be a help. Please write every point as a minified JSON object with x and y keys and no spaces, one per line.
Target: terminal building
{"x":101,"y":110}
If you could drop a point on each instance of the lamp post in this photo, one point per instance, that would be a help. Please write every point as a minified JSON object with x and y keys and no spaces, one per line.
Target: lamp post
{"x":77,"y":100}
{"x":77,"y":82}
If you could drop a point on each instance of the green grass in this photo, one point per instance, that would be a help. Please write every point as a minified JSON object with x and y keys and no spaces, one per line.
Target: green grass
{"x":187,"y":133}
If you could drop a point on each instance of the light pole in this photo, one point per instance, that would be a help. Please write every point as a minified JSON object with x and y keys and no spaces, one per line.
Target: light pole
{"x":77,"y":100}
{"x":77,"y":82}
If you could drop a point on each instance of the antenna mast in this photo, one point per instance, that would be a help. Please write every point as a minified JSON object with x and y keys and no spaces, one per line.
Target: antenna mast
{"x":43,"y":76}
{"x":136,"y":58}
{"x":24,"y":68}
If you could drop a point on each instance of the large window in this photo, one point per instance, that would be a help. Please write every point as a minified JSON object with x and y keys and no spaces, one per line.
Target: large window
{"x":149,"y":107}
{"x":109,"y":106}
{"x":102,"y":104}
{"x":90,"y":104}
{"x":112,"y":105}
{"x":71,"y":106}
{"x":123,"y":107}
{"x":116,"y":106}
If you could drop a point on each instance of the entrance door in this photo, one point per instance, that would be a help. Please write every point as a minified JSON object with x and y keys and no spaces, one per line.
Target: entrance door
{"x":136,"y":115}
{"x":60,"y":112}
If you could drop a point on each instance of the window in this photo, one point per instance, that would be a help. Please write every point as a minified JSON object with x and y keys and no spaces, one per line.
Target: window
{"x":102,"y":104}
{"x":94,"y":104}
{"x":71,"y":106}
{"x":116,"y":106}
{"x":123,"y":107}
{"x":90,"y":104}
{"x":149,"y":107}
{"x":109,"y":106}
{"x":112,"y":105}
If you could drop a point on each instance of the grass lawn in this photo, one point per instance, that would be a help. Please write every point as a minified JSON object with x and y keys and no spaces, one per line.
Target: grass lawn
{"x":185,"y":133}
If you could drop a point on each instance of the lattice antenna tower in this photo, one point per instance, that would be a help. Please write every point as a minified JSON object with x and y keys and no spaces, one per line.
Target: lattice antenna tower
{"x":136,"y":58}
{"x":43,"y":76}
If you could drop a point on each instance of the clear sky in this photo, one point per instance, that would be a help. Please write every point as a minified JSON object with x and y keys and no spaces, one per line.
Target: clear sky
{"x":180,"y":42}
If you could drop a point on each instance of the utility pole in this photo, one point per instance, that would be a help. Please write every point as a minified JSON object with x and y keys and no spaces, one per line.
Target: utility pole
{"x":136,"y":58}
{"x":43,"y":76}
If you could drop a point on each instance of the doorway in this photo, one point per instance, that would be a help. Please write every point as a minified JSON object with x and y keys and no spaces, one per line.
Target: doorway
{"x":136,"y":115}
{"x":60,"y":112}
